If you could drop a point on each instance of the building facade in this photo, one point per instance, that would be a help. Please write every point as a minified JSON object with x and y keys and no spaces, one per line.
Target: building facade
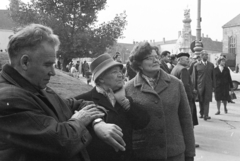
{"x":231,"y":40}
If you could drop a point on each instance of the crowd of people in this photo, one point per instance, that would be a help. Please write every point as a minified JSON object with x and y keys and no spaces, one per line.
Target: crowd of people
{"x":149,"y":117}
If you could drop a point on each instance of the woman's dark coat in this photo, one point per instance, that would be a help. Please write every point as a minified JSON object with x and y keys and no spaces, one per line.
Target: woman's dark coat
{"x":223,"y":83}
{"x":134,"y":118}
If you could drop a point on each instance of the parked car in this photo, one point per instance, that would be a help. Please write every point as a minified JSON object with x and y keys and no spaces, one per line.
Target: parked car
{"x":235,"y":78}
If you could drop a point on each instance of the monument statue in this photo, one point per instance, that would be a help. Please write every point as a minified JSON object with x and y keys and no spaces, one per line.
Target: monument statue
{"x":185,"y":38}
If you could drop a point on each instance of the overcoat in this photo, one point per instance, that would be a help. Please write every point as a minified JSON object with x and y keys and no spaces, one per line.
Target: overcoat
{"x":203,"y":80}
{"x":164,"y":67}
{"x":126,"y":120}
{"x":170,"y":130}
{"x":223,"y":82}
{"x":36,"y":125}
{"x":182,"y":73}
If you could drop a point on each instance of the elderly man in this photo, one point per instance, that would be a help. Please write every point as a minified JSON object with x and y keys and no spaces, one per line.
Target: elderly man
{"x":203,"y":80}
{"x":181,"y":72}
{"x":35,"y":123}
{"x":126,"y":115}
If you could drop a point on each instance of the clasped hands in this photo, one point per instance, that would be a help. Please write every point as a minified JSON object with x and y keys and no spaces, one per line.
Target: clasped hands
{"x":109,"y":133}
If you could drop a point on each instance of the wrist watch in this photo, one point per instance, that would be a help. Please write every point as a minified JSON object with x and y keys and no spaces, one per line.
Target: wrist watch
{"x":96,"y":121}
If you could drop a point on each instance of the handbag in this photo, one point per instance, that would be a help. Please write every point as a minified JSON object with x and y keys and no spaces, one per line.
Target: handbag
{"x":233,"y":96}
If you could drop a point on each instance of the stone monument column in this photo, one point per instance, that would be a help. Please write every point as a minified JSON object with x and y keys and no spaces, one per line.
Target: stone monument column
{"x":185,"y":38}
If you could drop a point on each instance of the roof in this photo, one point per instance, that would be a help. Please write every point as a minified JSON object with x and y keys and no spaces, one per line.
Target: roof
{"x":234,"y":22}
{"x":209,"y":44}
{"x":126,"y":45}
{"x":6,"y":21}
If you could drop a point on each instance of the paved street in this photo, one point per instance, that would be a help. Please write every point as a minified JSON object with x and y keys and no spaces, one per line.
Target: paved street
{"x":219,"y":138}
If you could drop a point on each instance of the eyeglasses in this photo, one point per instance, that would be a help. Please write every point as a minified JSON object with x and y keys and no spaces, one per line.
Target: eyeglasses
{"x":151,"y":58}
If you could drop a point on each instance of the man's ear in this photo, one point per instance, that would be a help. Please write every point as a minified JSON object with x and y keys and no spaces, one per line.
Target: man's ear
{"x":24,"y":62}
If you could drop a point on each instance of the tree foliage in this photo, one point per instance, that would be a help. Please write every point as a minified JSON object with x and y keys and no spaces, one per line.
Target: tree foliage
{"x":74,"y":21}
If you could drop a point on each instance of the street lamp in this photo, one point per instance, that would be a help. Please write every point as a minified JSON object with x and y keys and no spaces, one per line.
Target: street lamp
{"x":198,"y":45}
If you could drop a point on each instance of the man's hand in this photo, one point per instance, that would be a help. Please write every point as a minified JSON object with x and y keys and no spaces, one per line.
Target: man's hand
{"x":120,"y":95}
{"x":110,"y":134}
{"x":87,"y":114}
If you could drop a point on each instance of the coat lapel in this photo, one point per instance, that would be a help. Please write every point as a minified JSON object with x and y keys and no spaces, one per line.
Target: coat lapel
{"x":161,"y":85}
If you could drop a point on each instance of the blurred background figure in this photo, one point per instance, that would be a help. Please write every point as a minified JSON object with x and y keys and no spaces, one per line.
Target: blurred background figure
{"x":203,"y":81}
{"x":164,"y":59}
{"x":130,"y":73}
{"x":195,"y":59}
{"x":85,"y":68}
{"x":117,"y":57}
{"x":73,"y":71}
{"x":223,"y":82}
{"x":172,"y":62}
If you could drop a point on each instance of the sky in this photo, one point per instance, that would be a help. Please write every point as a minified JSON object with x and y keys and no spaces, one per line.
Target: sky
{"x":158,"y":19}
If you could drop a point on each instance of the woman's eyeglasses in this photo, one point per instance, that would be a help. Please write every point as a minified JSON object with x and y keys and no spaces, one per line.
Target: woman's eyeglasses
{"x":152,"y":58}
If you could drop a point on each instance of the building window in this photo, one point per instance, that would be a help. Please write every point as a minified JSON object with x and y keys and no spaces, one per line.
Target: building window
{"x":232,"y":42}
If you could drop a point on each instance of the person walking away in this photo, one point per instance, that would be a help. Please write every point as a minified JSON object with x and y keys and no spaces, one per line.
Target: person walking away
{"x":169,"y":134}
{"x":203,"y":80}
{"x":85,"y":68}
{"x":223,"y":82}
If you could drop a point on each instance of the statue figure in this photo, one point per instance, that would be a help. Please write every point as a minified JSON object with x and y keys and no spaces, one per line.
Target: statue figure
{"x":187,"y":13}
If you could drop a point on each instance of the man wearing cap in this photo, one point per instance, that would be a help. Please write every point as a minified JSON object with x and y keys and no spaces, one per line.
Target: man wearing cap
{"x":203,"y":82}
{"x":181,"y":72}
{"x":165,"y":58}
{"x":123,"y":115}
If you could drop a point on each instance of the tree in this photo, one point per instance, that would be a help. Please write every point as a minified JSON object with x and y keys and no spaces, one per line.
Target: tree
{"x":74,"y":21}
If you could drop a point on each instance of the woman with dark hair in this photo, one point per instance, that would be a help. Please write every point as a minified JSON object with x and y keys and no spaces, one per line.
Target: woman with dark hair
{"x":223,"y":83}
{"x":169,"y":134}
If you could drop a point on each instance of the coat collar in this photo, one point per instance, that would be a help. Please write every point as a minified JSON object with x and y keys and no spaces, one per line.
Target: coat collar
{"x":162,"y":84}
{"x":15,"y":78}
{"x":102,"y":100}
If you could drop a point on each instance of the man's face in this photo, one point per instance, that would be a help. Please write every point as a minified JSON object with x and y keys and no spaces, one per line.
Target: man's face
{"x":113,"y":78}
{"x":184,"y":60}
{"x":167,"y":58}
{"x":204,"y":56}
{"x":40,"y":67}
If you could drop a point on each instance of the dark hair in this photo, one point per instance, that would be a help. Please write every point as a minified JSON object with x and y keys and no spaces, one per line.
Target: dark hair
{"x":173,"y":57}
{"x":165,"y":53}
{"x":139,"y":52}
{"x":220,"y":59}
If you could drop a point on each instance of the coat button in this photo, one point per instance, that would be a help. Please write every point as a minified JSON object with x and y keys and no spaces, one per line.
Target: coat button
{"x":156,"y":101}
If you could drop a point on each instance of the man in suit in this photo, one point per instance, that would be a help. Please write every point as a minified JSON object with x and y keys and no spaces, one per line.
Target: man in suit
{"x":203,"y":80}
{"x":164,"y":59}
{"x":122,"y":112}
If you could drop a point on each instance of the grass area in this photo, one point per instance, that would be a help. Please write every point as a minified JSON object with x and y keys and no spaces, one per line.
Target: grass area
{"x":3,"y":58}
{"x":67,"y":86}
{"x":63,"y":84}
